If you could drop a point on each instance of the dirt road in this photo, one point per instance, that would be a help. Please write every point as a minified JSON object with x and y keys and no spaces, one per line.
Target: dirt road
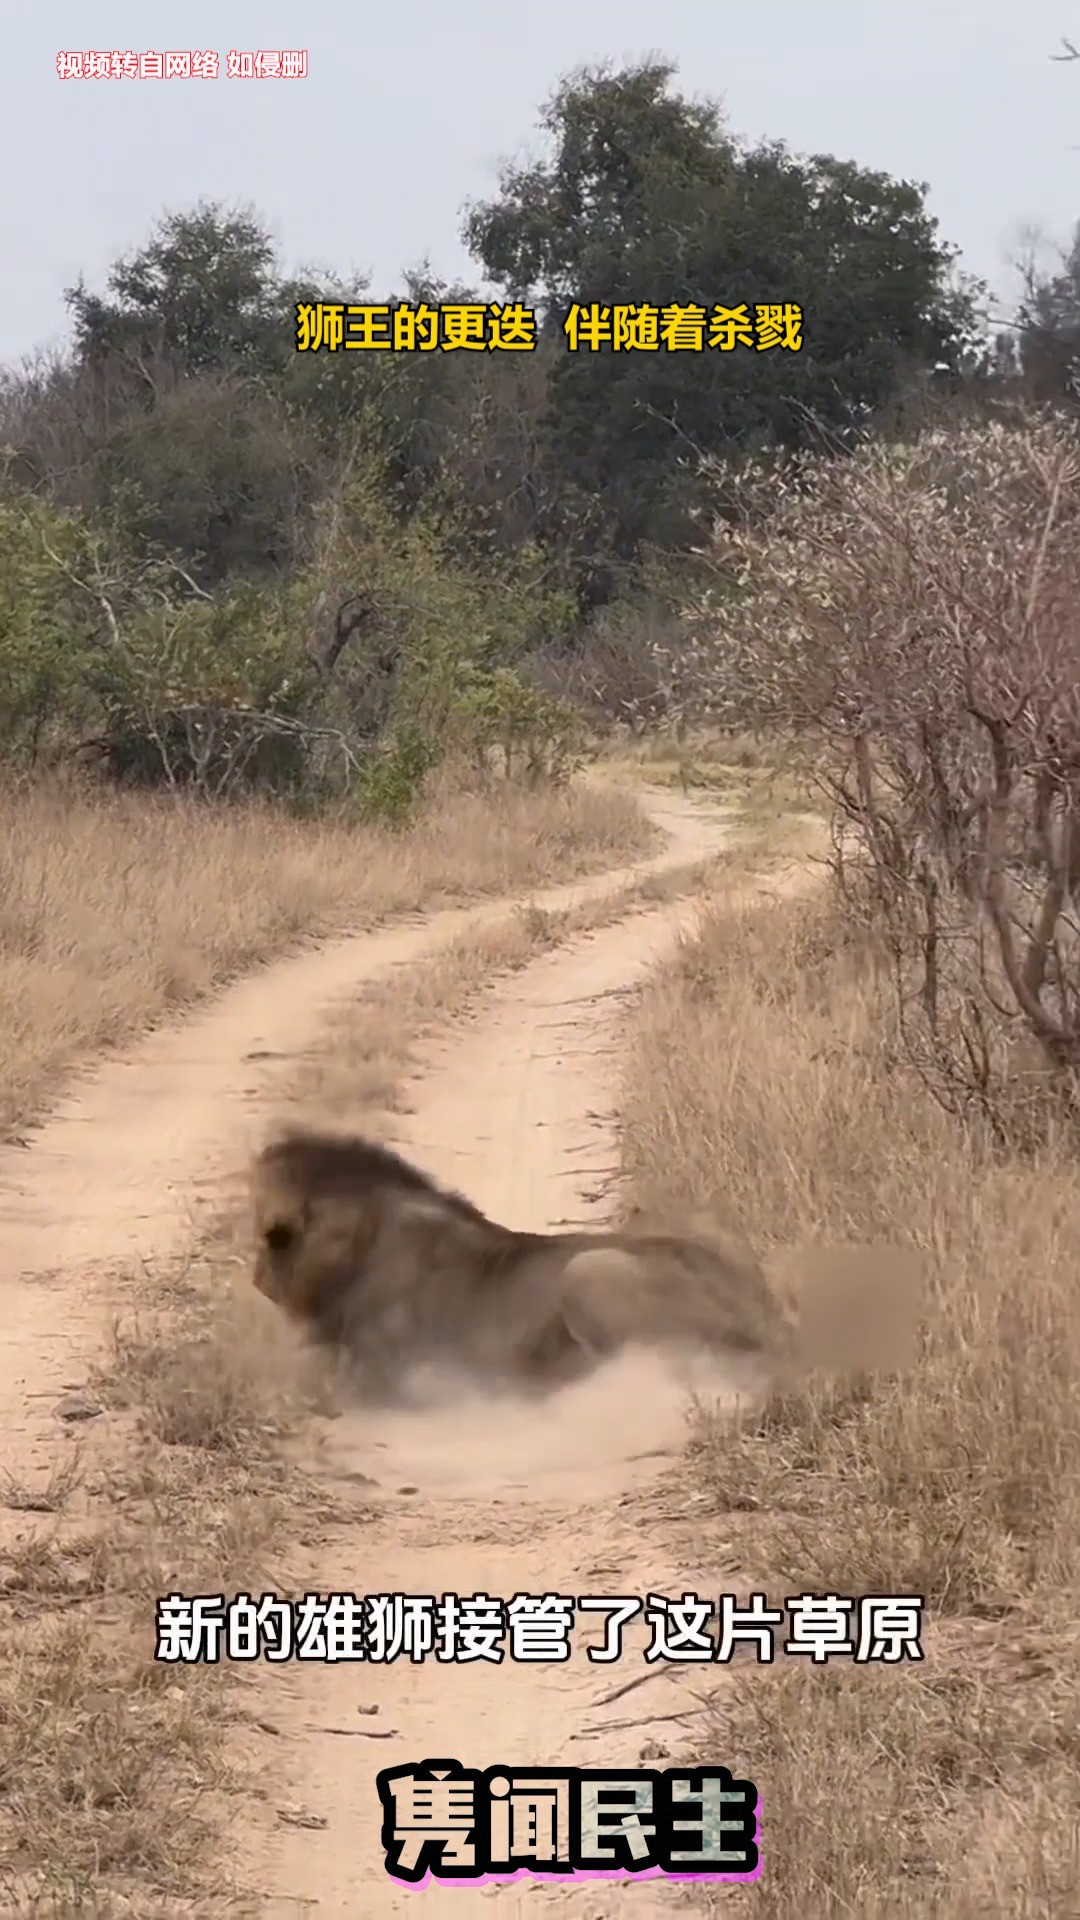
{"x":513,"y":1111}
{"x":493,"y":1500}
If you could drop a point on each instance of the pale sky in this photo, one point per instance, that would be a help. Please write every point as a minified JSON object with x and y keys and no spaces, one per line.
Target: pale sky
{"x":409,"y":108}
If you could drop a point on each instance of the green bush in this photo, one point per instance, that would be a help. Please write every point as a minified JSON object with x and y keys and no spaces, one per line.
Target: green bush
{"x":259,"y":684}
{"x":389,"y":784}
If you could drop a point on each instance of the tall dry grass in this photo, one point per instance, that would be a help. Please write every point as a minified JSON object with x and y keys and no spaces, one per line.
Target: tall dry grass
{"x":115,"y":909}
{"x":767,"y":1079}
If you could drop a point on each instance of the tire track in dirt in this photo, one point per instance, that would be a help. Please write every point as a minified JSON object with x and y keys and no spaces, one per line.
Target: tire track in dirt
{"x":513,"y":1110}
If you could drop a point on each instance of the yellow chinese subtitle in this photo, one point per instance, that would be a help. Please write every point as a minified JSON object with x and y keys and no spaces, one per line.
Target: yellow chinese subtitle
{"x":477,"y":328}
{"x":403,"y":328}
{"x":683,"y":329}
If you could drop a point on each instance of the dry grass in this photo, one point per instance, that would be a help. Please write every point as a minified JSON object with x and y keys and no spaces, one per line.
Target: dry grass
{"x":115,"y":910}
{"x":767,"y":775}
{"x":114,"y":1770}
{"x":765,"y":1067}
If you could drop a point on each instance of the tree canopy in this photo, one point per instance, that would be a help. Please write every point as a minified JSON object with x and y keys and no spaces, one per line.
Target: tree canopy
{"x":643,"y":196}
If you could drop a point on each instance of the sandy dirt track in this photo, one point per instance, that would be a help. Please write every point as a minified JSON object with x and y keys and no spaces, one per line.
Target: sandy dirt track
{"x":515,"y":1111}
{"x":512,"y":1110}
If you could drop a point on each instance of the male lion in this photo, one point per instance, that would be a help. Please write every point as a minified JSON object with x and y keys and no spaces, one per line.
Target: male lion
{"x":388,"y":1270}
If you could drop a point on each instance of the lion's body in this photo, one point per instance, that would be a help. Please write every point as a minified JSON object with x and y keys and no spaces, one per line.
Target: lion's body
{"x":388,"y":1270}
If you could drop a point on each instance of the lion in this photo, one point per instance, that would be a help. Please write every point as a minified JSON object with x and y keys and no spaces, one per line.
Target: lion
{"x":388,"y":1270}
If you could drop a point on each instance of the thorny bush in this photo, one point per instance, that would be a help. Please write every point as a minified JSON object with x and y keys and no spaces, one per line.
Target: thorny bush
{"x":917,"y":606}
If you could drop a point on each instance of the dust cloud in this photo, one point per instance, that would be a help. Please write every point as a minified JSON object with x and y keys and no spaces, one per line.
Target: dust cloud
{"x":450,"y":1433}
{"x":454,"y":1435}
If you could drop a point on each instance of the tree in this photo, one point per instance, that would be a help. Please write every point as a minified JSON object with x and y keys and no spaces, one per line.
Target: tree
{"x":203,"y":290}
{"x":644,"y":197}
{"x":204,"y":423}
{"x":1049,"y":328}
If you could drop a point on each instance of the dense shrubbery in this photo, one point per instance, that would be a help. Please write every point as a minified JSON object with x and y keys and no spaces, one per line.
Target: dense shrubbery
{"x":346,"y":679}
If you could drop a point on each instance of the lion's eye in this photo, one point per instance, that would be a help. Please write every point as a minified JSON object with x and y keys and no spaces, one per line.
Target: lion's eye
{"x":279,"y":1237}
